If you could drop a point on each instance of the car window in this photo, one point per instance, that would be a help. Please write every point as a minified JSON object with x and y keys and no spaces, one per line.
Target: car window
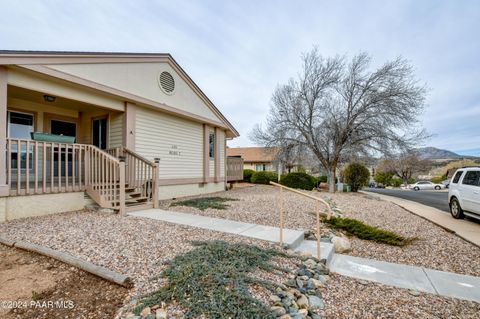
{"x":456,"y":178}
{"x":472,"y":178}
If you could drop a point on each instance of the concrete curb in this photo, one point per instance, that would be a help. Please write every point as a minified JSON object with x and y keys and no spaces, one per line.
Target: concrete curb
{"x":93,"y":269}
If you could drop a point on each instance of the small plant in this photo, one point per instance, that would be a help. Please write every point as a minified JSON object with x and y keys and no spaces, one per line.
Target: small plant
{"x":205,"y":202}
{"x":212,"y":280}
{"x":363,"y":231}
{"x":247,"y":175}
{"x":298,"y":180}
{"x":36,"y":296}
{"x":264,"y":177}
{"x":396,"y":182}
{"x":356,"y":175}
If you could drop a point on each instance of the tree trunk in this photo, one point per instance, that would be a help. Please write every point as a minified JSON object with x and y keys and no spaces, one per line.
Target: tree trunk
{"x":331,"y":179}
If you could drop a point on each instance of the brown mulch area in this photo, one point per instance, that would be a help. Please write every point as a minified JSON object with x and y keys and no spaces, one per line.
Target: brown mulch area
{"x":43,"y":287}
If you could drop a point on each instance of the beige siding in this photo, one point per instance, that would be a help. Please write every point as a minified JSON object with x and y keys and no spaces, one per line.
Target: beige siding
{"x":177,"y":142}
{"x":222,"y":153}
{"x":116,"y":130}
{"x":141,"y":79}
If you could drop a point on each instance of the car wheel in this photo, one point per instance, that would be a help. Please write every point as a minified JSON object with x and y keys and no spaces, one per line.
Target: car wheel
{"x":437,"y":188}
{"x":416,"y":188}
{"x":455,"y":209}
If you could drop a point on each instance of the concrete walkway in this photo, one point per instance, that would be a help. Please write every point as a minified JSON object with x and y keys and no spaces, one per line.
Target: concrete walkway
{"x":398,"y":275}
{"x":292,"y":238}
{"x":409,"y":277}
{"x":468,"y":230}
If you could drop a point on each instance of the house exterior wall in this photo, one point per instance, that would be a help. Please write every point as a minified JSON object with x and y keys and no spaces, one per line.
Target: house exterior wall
{"x":39,"y":205}
{"x":175,"y":141}
{"x":116,"y":123}
{"x":176,"y":191}
{"x":141,"y":79}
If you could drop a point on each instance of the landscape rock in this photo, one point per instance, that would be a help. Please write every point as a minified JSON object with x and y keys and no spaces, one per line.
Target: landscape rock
{"x":278,"y":311}
{"x":275,"y":299}
{"x":310,"y":263}
{"x":160,"y":314}
{"x":341,"y":245}
{"x":315,"y":302}
{"x":285,"y":316}
{"x":145,"y":312}
{"x":302,"y":302}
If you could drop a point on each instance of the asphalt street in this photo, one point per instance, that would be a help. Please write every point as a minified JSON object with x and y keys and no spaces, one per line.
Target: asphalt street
{"x":437,"y":199}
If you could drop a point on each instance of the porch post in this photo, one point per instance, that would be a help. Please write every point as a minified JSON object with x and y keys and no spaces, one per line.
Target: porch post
{"x":129,"y":126}
{"x":4,"y":191}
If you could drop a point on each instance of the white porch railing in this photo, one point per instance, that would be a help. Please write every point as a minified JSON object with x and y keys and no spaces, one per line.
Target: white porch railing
{"x":35,"y":167}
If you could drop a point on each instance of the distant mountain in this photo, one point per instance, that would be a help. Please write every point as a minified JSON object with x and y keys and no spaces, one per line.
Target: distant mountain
{"x":434,"y":153}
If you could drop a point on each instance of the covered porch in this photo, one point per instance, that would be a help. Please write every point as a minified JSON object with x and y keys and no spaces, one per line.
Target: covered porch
{"x":60,"y":141}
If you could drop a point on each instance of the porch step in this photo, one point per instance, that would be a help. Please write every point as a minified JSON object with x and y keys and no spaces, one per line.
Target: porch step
{"x":135,"y":200}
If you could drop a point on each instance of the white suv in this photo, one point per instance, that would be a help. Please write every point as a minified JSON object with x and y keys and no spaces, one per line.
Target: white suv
{"x":464,"y":193}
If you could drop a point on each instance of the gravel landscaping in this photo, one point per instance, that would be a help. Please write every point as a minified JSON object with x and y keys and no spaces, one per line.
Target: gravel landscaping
{"x":350,"y":298}
{"x":136,"y":247}
{"x":434,"y":247}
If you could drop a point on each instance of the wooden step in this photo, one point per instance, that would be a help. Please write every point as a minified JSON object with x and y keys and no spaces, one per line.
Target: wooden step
{"x":136,"y":200}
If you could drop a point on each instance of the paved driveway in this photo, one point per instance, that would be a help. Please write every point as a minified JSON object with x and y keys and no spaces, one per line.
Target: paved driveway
{"x":436,"y":199}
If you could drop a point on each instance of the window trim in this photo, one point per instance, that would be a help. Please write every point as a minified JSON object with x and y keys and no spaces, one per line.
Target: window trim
{"x":15,"y":110}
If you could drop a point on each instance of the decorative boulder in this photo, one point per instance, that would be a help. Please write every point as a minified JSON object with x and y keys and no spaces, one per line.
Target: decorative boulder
{"x":341,"y":245}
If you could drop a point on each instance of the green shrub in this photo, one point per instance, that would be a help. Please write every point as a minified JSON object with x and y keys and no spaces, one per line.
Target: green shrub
{"x":298,"y":180}
{"x":323,"y":179}
{"x":396,"y":182}
{"x":411,"y":180}
{"x":363,"y":231}
{"x":356,"y":175}
{"x":213,"y":279}
{"x":247,"y":175}
{"x":384,"y":178}
{"x":438,"y":179}
{"x":264,"y":177}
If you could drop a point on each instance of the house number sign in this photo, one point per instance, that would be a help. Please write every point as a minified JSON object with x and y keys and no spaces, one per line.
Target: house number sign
{"x":174,"y":151}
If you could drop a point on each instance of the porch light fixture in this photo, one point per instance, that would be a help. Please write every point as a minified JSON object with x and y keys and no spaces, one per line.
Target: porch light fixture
{"x":49,"y":98}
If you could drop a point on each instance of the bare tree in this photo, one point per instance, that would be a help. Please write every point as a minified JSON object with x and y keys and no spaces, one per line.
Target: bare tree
{"x":337,"y":109}
{"x":404,"y":165}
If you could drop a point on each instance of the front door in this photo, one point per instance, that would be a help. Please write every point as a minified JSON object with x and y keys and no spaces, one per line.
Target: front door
{"x":99,"y":134}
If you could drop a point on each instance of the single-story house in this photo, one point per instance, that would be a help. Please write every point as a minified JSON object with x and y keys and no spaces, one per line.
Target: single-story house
{"x":126,"y":129}
{"x":256,"y":158}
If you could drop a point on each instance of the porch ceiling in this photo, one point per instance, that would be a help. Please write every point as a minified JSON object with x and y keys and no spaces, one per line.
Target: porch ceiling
{"x":15,"y":92}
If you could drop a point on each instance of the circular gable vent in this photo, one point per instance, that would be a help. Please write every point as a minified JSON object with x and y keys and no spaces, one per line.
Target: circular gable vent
{"x":167,"y":83}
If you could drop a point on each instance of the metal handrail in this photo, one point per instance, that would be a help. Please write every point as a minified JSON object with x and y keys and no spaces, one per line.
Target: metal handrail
{"x":318,"y":200}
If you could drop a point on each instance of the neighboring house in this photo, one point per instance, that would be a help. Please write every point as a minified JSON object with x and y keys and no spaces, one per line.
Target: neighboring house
{"x":256,"y":158}
{"x":126,"y":128}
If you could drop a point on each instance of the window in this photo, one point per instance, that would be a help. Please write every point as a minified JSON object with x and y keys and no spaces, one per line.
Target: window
{"x":260,"y":167}
{"x":211,"y":145}
{"x":20,"y":125}
{"x":63,"y":128}
{"x":456,"y":178}
{"x":472,"y":178}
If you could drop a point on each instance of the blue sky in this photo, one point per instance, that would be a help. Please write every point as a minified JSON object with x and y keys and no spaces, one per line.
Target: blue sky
{"x":238,"y":51}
